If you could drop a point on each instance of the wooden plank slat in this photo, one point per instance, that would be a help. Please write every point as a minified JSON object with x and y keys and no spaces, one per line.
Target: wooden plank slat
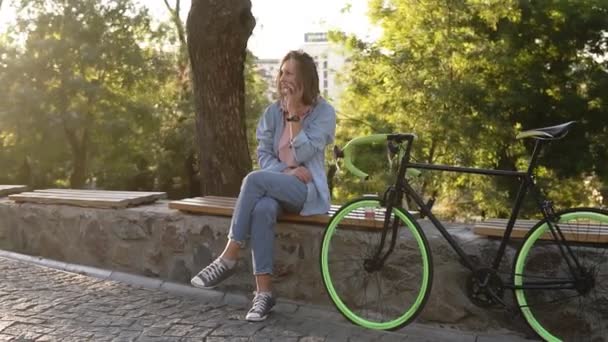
{"x":218,"y":208}
{"x":92,"y":191}
{"x":197,"y":208}
{"x":232,"y":201}
{"x":520,"y":233}
{"x":99,"y":194}
{"x":503,"y":222}
{"x":219,"y":199}
{"x":70,"y":197}
{"x":496,"y":228}
{"x":82,"y":202}
{"x":6,"y":190}
{"x":88,"y":198}
{"x":131,"y":199}
{"x":201,"y":204}
{"x":82,"y":195}
{"x":135,"y":197}
{"x":224,"y":206}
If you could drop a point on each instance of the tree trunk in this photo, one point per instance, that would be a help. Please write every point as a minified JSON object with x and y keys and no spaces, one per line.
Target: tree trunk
{"x":78,"y":145}
{"x":78,"y":177}
{"x":217,"y":34}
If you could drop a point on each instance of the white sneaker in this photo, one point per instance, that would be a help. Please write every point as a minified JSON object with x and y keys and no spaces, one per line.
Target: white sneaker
{"x":262,"y":305}
{"x":213,"y":274}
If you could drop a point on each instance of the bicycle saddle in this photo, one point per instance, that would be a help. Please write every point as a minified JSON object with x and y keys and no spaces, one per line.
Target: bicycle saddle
{"x":547,"y":133}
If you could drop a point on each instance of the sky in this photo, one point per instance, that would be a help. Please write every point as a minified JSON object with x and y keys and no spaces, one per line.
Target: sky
{"x":281,"y":24}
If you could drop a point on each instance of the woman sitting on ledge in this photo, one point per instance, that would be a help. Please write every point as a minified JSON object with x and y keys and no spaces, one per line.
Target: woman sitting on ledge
{"x":292,"y":135}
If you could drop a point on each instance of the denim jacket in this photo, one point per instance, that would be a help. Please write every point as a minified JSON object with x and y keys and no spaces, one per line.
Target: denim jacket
{"x":318,"y":131}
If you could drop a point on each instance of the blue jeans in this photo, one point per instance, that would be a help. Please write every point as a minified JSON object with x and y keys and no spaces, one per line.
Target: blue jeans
{"x":264,"y":194}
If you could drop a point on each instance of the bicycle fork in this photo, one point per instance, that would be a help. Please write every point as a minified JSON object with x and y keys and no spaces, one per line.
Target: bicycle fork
{"x":576,"y":269}
{"x":390,"y":198}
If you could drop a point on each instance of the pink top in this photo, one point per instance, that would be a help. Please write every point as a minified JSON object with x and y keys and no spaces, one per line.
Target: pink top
{"x":286,"y":153}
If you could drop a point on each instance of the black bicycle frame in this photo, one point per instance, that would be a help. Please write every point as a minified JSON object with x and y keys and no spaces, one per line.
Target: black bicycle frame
{"x":526,"y":180}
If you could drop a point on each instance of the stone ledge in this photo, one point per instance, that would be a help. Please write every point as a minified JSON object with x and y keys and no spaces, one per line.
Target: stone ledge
{"x":155,"y":241}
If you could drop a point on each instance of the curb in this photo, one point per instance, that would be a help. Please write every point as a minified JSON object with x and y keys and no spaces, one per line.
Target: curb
{"x":209,"y":295}
{"x":126,"y":278}
{"x":305,"y":310}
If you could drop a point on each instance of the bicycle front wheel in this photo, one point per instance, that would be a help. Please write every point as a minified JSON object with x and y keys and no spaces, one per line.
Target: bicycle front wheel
{"x":562,"y":302}
{"x":382,"y":296}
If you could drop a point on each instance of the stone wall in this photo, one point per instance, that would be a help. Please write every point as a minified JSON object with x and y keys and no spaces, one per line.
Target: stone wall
{"x":156,"y":241}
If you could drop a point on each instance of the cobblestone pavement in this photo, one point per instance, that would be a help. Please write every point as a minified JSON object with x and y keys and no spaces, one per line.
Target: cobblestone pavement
{"x":45,"y":304}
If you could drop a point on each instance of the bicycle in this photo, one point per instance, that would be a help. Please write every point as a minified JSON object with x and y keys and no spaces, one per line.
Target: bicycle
{"x":559,"y":272}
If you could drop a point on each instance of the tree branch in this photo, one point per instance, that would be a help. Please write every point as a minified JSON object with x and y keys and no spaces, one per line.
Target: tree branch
{"x":179,"y":25}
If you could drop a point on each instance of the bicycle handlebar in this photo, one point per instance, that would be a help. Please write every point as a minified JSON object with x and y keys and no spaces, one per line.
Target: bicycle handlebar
{"x":348,"y":151}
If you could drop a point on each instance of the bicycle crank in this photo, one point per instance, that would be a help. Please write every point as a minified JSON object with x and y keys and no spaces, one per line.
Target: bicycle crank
{"x":485,"y":288}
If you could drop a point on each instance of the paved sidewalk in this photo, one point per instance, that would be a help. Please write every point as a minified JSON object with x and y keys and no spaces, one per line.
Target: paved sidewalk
{"x":46,"y":304}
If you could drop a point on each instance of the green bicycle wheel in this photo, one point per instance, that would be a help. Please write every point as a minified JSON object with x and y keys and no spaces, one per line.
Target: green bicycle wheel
{"x":386,"y":297}
{"x":576,"y":314}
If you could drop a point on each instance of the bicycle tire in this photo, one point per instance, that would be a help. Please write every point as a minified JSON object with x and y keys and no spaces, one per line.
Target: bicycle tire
{"x":565,"y":314}
{"x":400,"y":288}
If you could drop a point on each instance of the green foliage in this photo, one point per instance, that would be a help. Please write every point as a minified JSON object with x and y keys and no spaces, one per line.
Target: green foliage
{"x":80,"y":92}
{"x":97,"y":85}
{"x":89,"y":92}
{"x":465,"y":76}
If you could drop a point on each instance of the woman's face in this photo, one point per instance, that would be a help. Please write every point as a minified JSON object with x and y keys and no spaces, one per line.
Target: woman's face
{"x":288,"y":80}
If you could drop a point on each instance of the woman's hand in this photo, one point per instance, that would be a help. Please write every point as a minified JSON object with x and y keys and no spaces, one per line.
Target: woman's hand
{"x":300,"y":173}
{"x":293,"y":98}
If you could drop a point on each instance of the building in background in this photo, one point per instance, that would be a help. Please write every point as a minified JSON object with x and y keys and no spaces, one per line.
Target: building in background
{"x":329,"y":64}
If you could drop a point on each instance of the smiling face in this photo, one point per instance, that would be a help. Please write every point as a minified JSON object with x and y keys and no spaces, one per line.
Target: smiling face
{"x":288,"y":77}
{"x":298,"y":75}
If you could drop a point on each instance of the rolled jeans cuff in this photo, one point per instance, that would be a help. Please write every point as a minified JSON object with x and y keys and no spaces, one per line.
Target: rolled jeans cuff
{"x":262,"y":272}
{"x":241,"y":244}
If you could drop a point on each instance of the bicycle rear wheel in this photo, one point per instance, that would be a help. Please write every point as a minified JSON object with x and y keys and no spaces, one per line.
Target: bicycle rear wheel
{"x":386,"y":297}
{"x":576,"y":314}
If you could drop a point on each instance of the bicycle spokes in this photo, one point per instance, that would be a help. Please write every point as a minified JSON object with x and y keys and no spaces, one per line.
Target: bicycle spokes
{"x":372,"y":291}
{"x":561,"y":285}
